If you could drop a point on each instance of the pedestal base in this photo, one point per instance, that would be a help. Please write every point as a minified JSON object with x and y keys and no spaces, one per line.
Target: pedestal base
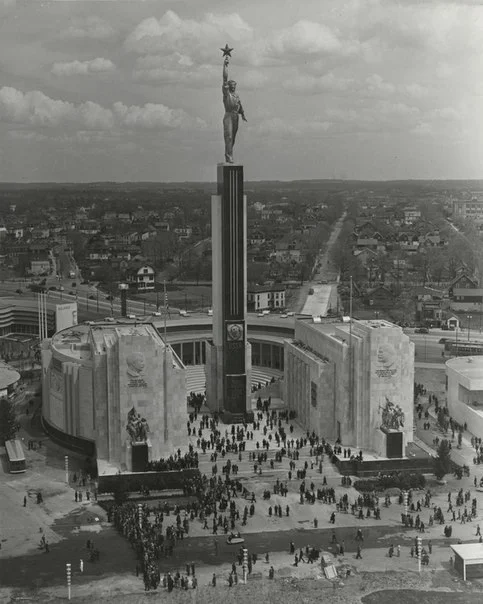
{"x":137,"y":455}
{"x":393,"y":443}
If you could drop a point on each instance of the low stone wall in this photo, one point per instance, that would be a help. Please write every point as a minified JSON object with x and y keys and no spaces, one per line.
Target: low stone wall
{"x":154,"y":481}
{"x":385,"y":466}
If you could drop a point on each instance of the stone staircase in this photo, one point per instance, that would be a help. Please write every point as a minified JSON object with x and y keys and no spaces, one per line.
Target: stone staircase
{"x":196,"y":377}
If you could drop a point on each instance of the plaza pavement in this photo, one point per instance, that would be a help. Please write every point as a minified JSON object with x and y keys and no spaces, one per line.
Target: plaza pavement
{"x":19,"y":531}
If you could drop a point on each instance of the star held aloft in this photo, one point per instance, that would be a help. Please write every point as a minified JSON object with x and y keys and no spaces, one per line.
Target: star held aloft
{"x":226,"y":51}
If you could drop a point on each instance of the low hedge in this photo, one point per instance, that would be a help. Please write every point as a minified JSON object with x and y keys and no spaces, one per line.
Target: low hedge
{"x":400,"y":480}
{"x":154,"y":481}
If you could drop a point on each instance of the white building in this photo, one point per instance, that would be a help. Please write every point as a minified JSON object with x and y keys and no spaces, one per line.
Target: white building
{"x":263,"y":297}
{"x":464,"y":394}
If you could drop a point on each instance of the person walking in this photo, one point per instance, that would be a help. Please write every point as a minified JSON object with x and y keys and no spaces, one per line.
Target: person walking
{"x":359,"y":550}
{"x":25,"y":502}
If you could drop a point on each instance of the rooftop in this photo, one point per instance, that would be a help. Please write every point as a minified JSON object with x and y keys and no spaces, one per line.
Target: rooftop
{"x":470,"y":552}
{"x":470,"y":368}
{"x":8,"y":376}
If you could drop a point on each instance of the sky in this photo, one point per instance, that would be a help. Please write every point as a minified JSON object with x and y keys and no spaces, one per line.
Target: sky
{"x":113,"y":90}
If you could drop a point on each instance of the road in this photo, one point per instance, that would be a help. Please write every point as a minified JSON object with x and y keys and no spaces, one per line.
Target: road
{"x":325,"y":272}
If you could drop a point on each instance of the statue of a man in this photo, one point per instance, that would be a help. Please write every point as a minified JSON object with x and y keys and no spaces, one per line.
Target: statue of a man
{"x":233,"y":108}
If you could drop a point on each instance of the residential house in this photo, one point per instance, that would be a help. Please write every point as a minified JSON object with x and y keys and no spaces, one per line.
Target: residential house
{"x":462,"y":281}
{"x":467,"y":299}
{"x":183,"y":232}
{"x":40,"y":232}
{"x":264,"y":297}
{"x":140,"y":277}
{"x":89,"y":227}
{"x":40,"y":265}
{"x":380,"y":298}
{"x":256,"y":238}
{"x":371,"y":243}
{"x":411,"y":215}
{"x":287,"y":252}
{"x":16,"y":232}
{"x":365,"y":256}
{"x":429,"y":304}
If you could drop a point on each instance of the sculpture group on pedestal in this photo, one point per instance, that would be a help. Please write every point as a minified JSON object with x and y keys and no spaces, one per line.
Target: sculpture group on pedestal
{"x":392,"y":416}
{"x":137,"y":426}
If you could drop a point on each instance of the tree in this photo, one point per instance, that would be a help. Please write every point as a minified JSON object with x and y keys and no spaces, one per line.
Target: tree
{"x":8,"y":422}
{"x":442,"y":463}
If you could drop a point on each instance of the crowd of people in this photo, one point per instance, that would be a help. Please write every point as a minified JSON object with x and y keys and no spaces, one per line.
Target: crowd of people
{"x":224,"y":503}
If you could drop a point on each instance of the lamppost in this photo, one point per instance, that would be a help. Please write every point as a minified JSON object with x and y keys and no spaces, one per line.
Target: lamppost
{"x":469,"y":317}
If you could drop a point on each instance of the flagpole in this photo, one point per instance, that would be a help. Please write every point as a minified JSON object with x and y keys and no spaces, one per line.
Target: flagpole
{"x":165,"y":377}
{"x":351,"y":385}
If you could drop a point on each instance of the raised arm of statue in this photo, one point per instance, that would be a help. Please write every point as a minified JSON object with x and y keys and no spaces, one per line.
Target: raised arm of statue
{"x":225,"y":70}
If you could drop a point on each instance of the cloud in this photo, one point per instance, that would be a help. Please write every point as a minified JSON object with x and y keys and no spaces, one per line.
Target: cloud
{"x":175,"y":68}
{"x":35,"y":109}
{"x":89,"y":27}
{"x":415,"y":90}
{"x":252,"y":79}
{"x":313,"y":85}
{"x":422,"y":129}
{"x":276,"y":127}
{"x":171,"y":34}
{"x":98,"y":65}
{"x":375,"y":84}
{"x":155,"y":116}
{"x":446,"y":114}
{"x":304,"y":38}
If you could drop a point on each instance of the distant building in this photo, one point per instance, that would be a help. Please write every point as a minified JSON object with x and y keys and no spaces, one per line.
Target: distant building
{"x":40,"y":266}
{"x":265,"y":297}
{"x":468,"y":209}
{"x":411,"y":215}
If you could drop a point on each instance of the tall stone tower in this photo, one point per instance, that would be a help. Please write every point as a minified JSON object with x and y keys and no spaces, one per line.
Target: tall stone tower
{"x":229,"y":355}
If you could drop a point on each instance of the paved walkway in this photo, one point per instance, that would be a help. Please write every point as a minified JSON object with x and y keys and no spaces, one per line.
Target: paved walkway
{"x":425,"y":438}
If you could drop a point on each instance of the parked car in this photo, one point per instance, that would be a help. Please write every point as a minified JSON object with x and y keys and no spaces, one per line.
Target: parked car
{"x":156,"y":314}
{"x":421,"y":330}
